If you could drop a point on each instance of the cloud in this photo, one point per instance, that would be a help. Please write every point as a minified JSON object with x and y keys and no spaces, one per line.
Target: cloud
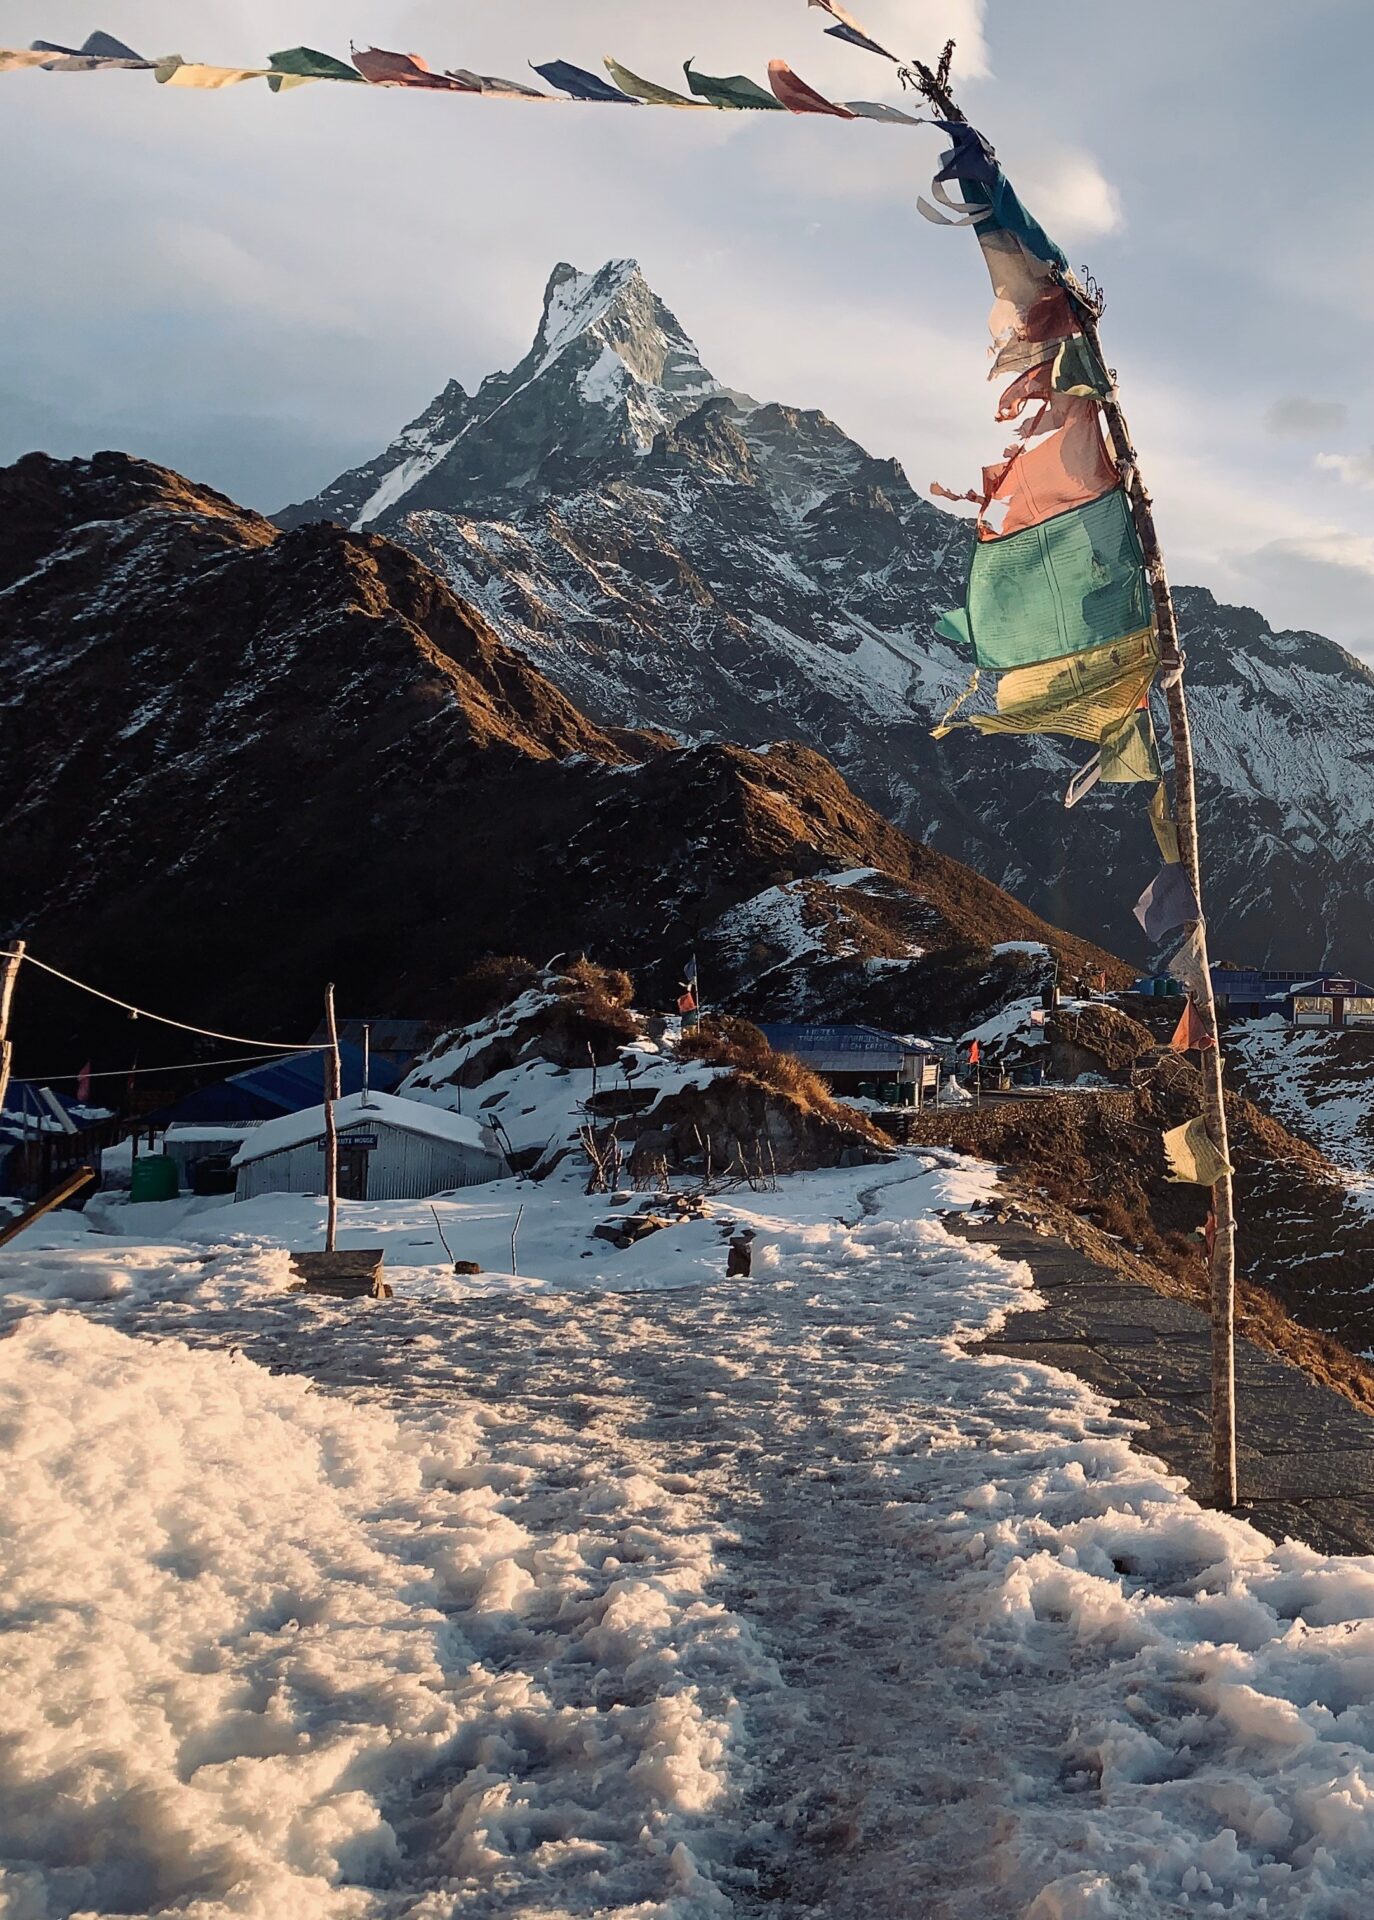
{"x":1069,"y":194}
{"x":1300,"y":415}
{"x":1321,"y":581}
{"x":1354,"y":469}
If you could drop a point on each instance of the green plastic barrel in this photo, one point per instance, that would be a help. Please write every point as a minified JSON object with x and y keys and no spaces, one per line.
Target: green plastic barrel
{"x":154,"y":1177}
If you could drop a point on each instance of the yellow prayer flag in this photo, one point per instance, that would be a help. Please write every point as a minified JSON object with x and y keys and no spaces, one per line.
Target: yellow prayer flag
{"x":1084,"y":696}
{"x":1165,"y":830}
{"x":1193,"y":1160}
{"x":189,"y":73}
{"x":15,"y":57}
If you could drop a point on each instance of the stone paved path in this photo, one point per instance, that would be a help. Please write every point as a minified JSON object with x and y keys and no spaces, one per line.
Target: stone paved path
{"x":1306,"y":1455}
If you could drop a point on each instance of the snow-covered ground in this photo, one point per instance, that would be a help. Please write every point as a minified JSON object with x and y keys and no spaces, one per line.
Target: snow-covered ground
{"x":542,"y":1597}
{"x":1320,"y":1084}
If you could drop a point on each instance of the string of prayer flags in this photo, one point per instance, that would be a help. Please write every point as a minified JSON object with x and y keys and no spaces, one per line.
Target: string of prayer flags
{"x":1193,"y":1160}
{"x":1168,"y":902}
{"x":649,"y":91}
{"x":733,"y":91}
{"x":581,"y":85}
{"x":1191,"y":1034}
{"x":794,"y":94}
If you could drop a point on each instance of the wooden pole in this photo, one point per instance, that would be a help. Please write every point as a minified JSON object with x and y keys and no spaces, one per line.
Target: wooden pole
{"x":333,"y":1073}
{"x":934,"y":84}
{"x":1224,"y":1484}
{"x":69,"y":1184}
{"x":7,"y":980}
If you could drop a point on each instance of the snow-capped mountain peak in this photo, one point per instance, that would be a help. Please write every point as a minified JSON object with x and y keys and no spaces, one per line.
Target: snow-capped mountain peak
{"x":674,"y":554}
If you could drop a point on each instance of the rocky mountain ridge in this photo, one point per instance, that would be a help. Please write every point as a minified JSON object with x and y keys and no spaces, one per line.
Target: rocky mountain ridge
{"x":676,"y":555}
{"x":236,"y":762}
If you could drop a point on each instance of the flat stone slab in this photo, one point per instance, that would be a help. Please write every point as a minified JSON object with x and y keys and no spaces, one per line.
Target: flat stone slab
{"x":1305,"y":1454}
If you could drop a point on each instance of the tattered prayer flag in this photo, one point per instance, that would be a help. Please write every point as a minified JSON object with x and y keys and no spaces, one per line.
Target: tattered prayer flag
{"x":190,"y":73}
{"x":1069,"y":469}
{"x":382,"y":68}
{"x":1083,"y":781}
{"x":1128,"y":751}
{"x":1168,"y":902}
{"x":582,"y":85}
{"x":1075,"y":370}
{"x":848,"y":28}
{"x":1164,"y":827}
{"x":1084,"y":696}
{"x":1191,"y":1034}
{"x":649,"y":91}
{"x":879,"y":110}
{"x":494,"y":85}
{"x":1192,"y":1158}
{"x":734,"y":90}
{"x":1073,"y":582}
{"x":797,"y":96}
{"x":1186,"y":966}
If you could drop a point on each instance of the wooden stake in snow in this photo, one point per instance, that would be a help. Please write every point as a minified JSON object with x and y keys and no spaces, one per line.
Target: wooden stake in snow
{"x":333,"y":1071}
{"x":7,"y":980}
{"x":934,"y":84}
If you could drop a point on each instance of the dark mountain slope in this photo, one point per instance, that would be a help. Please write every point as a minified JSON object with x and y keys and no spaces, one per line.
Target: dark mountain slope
{"x":236,"y":762}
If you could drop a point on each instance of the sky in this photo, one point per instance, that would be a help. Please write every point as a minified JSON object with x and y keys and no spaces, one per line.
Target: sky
{"x":262,"y":290}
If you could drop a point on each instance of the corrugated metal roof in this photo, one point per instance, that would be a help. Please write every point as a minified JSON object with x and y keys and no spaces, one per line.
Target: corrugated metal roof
{"x":382,"y":1109}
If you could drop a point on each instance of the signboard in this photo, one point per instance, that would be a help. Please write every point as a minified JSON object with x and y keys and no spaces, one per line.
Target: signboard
{"x":1313,"y":1010}
{"x":1343,"y":987}
{"x":365,"y":1142}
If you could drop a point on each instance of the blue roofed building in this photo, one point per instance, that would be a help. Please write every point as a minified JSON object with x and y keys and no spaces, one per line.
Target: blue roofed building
{"x":266,"y":1092}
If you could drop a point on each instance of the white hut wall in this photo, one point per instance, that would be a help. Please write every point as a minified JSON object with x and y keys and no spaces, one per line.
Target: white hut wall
{"x":402,"y":1166}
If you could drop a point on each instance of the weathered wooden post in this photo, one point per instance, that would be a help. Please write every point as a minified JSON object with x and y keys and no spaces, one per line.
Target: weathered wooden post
{"x":7,"y":980}
{"x":333,"y":1071}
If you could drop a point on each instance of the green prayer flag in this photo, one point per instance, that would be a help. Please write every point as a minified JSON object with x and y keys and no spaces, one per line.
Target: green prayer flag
{"x":1072,"y":582}
{"x":953,"y":625}
{"x":304,"y":63}
{"x":1128,"y":750}
{"x":1076,"y":371}
{"x":648,"y":91}
{"x":735,"y":90}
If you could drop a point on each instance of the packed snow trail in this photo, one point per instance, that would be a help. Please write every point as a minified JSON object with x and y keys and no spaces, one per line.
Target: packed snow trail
{"x":764,"y":1598}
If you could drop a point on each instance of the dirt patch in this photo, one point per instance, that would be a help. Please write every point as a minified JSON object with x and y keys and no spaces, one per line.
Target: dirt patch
{"x":1092,"y":1163}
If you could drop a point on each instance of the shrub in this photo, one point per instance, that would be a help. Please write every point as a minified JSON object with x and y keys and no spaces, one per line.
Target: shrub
{"x":721,"y":1040}
{"x":490,"y":983}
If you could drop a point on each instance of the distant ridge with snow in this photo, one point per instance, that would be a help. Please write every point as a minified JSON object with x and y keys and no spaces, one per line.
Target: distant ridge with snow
{"x":674,"y":554}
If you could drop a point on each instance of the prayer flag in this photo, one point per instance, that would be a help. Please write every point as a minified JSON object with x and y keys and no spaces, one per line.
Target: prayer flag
{"x":98,"y":53}
{"x":975,"y":1054}
{"x":687,"y":1003}
{"x":582,"y":85}
{"x":733,"y":90}
{"x":649,"y":91}
{"x":498,"y":88}
{"x":190,"y":73}
{"x":1068,"y":469}
{"x":1162,"y":823}
{"x":12,"y":58}
{"x":381,"y":68}
{"x":1128,"y":751}
{"x":1071,"y":583}
{"x":1168,"y":902}
{"x":1186,"y":966}
{"x":1192,"y":1158}
{"x":83,"y":1084}
{"x":797,"y":97}
{"x":1085,"y":696}
{"x":879,"y":110}
{"x":1191,"y":1034}
{"x":1083,"y":781}
{"x":856,"y":38}
{"x":296,"y":65}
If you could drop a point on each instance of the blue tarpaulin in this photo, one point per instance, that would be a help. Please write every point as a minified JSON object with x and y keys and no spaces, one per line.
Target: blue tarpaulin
{"x":281,"y":1086}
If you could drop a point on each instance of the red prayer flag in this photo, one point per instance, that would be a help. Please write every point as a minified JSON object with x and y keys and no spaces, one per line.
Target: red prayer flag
{"x":1191,"y":1035}
{"x":975,"y":1054}
{"x":83,"y":1084}
{"x":688,"y":1002}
